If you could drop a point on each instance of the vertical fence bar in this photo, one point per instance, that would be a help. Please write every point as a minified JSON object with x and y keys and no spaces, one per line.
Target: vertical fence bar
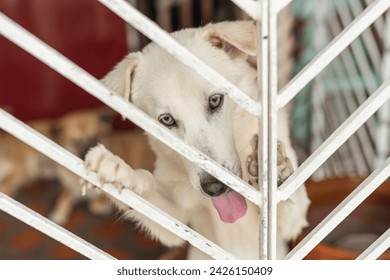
{"x":262,"y":29}
{"x":267,"y":77}
{"x":272,"y":126}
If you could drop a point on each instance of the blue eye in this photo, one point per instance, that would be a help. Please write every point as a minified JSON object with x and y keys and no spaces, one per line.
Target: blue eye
{"x":167,"y":120}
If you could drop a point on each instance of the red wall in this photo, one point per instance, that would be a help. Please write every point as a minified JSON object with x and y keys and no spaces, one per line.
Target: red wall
{"x":83,"y":30}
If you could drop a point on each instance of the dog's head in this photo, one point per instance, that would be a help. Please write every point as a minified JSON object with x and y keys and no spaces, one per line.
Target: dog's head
{"x":192,"y":108}
{"x":80,"y":130}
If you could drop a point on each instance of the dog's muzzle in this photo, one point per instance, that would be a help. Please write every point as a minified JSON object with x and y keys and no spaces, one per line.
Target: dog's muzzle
{"x":213,"y":187}
{"x":229,"y":204}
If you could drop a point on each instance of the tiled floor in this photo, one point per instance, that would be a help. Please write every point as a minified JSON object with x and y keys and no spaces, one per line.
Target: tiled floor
{"x":113,"y":235}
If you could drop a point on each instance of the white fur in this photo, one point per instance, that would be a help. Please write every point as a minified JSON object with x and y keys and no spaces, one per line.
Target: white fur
{"x":157,"y":83}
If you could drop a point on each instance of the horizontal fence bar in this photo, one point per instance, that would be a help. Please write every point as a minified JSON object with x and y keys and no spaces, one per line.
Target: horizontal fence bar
{"x":350,"y":33}
{"x":334,"y":141}
{"x":37,"y":221}
{"x":369,"y":185}
{"x":377,"y":248}
{"x":162,"y":38}
{"x":83,"y":79}
{"x":76,"y":165}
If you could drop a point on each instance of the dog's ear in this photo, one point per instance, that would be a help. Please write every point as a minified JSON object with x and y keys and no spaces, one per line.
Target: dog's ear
{"x":119,"y":79}
{"x":236,"y":38}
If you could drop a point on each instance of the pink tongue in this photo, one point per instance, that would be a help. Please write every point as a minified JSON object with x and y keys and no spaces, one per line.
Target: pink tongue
{"x":230,"y":206}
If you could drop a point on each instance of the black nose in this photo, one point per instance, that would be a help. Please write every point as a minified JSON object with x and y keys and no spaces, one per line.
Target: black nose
{"x":213,"y":187}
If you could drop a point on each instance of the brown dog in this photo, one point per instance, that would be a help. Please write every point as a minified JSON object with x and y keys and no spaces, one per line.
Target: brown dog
{"x":133,"y":148}
{"x":77,"y":132}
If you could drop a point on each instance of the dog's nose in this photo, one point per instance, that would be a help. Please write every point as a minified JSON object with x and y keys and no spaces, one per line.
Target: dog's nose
{"x":214,"y":187}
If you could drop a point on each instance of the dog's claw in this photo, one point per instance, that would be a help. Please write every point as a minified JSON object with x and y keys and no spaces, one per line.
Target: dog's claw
{"x":102,"y":181}
{"x":85,"y":186}
{"x":252,"y":166}
{"x":88,"y":168}
{"x":88,"y":185}
{"x":285,"y":168}
{"x":252,"y":162}
{"x":119,"y":187}
{"x":84,"y":189}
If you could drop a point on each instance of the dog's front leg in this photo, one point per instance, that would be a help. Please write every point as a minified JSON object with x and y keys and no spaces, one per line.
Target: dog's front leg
{"x":112,"y":169}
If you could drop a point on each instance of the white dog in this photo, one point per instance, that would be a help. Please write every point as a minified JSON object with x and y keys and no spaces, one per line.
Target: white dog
{"x":204,"y":117}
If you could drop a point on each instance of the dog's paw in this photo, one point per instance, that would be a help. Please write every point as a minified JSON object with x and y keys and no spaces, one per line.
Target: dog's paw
{"x":111,"y":169}
{"x":284,"y":165}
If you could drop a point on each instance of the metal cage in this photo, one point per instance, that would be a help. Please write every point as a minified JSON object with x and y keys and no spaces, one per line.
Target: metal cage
{"x":265,"y":11}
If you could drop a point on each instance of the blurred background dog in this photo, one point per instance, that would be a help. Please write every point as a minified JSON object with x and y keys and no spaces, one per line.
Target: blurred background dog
{"x":76,"y":131}
{"x":22,"y":165}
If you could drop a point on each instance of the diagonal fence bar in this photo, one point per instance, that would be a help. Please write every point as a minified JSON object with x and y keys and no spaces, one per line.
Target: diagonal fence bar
{"x":89,"y":83}
{"x":250,"y":7}
{"x":162,"y":38}
{"x":37,"y":221}
{"x":338,"y":137}
{"x":76,"y":165}
{"x":377,"y":248}
{"x":80,"y":77}
{"x":383,"y":143}
{"x":369,"y":185}
{"x":351,"y":32}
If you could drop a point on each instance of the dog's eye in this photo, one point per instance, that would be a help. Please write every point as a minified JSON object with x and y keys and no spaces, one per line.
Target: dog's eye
{"x":167,"y":120}
{"x":215,"y":101}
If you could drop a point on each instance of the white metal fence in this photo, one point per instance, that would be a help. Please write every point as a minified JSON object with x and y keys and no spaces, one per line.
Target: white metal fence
{"x":268,"y":198}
